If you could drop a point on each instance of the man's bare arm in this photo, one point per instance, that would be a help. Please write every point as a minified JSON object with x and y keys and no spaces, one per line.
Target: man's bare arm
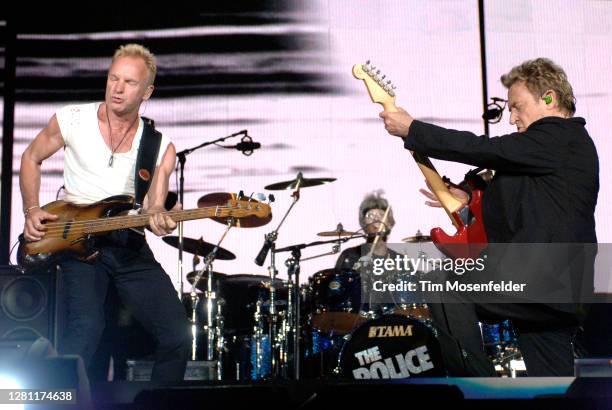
{"x":47,"y":142}
{"x":156,"y":197}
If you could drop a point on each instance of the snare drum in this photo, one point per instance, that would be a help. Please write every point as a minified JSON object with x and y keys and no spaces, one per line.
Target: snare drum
{"x":391,"y":347}
{"x":335,"y":301}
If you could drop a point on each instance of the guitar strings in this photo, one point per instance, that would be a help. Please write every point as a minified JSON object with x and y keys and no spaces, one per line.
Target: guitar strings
{"x":94,"y":223}
{"x":78,"y":226}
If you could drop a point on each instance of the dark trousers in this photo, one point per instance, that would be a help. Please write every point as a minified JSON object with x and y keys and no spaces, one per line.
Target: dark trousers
{"x":544,"y":335}
{"x":143,"y":286}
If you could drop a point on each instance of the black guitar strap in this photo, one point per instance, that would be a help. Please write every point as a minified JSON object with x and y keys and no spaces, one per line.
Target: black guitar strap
{"x":145,"y":161}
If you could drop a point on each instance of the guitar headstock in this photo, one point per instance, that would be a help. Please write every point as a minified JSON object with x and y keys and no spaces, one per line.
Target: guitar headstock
{"x":245,"y":212}
{"x":380,"y":88}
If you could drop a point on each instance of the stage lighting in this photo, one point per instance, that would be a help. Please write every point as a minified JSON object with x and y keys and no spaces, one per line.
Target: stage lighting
{"x":8,"y":382}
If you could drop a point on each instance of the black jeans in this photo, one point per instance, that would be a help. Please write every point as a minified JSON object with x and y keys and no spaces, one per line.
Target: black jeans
{"x":143,"y":286}
{"x":544,"y":334}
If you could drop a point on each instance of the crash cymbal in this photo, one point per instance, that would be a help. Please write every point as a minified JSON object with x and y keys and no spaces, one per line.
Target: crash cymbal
{"x":418,"y":238}
{"x":199,"y":247}
{"x":304,"y":183}
{"x":202,"y":285}
{"x":259,"y":212}
{"x":337,"y":233}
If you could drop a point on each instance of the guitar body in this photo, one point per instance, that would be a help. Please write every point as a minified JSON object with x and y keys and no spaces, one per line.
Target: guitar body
{"x":68,"y":239}
{"x":471,"y":238}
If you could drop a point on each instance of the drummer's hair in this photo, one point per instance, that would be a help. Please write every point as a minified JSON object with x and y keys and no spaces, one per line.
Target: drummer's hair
{"x":375,"y":200}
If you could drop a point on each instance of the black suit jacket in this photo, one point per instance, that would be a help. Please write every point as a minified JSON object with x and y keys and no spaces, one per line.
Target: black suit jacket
{"x":544,"y":192}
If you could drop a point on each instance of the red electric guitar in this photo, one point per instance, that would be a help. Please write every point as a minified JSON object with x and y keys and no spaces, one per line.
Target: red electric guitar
{"x":470,"y":238}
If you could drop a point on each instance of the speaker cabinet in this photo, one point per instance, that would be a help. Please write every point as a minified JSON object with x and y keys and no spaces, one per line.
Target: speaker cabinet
{"x":27,"y":305}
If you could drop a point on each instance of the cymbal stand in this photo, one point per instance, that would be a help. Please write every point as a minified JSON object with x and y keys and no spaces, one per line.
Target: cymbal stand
{"x":270,"y":244}
{"x":213,"y":335}
{"x":180,"y":172}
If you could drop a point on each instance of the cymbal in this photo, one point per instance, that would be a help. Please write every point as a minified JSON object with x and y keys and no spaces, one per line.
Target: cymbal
{"x":223,"y":199}
{"x":417,"y":239}
{"x":202,"y":285}
{"x":199,"y":247}
{"x":337,"y":233}
{"x":304,"y":183}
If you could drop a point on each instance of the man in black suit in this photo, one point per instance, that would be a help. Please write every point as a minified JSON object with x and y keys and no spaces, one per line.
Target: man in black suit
{"x":544,"y":191}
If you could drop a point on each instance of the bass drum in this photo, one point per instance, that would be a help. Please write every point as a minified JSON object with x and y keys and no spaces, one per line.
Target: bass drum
{"x":391,"y":347}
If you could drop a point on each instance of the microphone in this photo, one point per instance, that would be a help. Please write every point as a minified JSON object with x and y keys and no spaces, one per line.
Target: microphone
{"x":263,"y":253}
{"x":494,"y":111}
{"x":247,"y":145}
{"x":491,"y":114}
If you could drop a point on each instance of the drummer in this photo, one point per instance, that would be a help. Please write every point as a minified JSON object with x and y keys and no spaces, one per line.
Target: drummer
{"x":371,"y":216}
{"x":371,"y":212}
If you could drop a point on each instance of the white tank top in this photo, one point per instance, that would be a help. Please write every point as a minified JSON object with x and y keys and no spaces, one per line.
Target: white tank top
{"x":87,"y":176}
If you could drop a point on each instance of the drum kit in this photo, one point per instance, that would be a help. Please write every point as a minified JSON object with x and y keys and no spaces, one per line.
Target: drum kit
{"x":260,"y":327}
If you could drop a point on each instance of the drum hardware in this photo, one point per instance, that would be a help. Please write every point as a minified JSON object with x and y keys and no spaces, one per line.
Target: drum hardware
{"x":199,"y":247}
{"x":292,"y":264}
{"x":299,"y":182}
{"x":338,"y":232}
{"x":220,"y":338}
{"x":501,"y":345}
{"x":211,"y":326}
{"x":418,"y":238}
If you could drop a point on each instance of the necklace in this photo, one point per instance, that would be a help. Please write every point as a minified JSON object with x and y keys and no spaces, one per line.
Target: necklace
{"x":110,"y":135}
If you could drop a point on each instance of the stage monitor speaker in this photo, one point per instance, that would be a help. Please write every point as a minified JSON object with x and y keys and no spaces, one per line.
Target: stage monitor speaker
{"x":27,"y":304}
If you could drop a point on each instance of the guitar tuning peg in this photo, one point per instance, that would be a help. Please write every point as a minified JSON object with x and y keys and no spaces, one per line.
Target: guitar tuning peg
{"x":383,"y":77}
{"x":241,"y":194}
{"x":393,"y":86}
{"x":377,"y":72}
{"x":271,"y":198}
{"x":388,"y":81}
{"x":367,"y":62}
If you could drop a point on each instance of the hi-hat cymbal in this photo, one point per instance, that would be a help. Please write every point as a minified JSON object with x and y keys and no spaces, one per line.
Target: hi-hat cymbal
{"x":303,"y":183}
{"x":337,"y":233}
{"x":417,"y":239}
{"x":258,"y":213}
{"x":202,"y":285}
{"x":199,"y":247}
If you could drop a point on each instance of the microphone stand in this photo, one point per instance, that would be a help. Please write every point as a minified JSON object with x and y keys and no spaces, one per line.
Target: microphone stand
{"x":270,"y":244}
{"x":180,"y":168}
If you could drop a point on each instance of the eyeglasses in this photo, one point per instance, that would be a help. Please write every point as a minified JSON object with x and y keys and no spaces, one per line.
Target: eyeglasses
{"x":375,"y":215}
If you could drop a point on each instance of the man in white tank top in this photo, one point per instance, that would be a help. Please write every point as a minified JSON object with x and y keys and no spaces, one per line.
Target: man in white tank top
{"x":101,"y":143}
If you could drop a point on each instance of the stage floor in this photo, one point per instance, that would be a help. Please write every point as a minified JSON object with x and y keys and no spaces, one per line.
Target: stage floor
{"x":491,"y":393}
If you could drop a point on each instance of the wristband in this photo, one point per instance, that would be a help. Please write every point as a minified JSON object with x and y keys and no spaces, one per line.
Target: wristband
{"x":27,"y":211}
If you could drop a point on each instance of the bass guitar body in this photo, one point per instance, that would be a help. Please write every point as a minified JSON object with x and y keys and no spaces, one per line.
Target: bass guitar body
{"x":69,"y":234}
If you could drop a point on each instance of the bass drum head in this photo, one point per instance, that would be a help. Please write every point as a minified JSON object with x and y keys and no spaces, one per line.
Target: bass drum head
{"x":391,"y":347}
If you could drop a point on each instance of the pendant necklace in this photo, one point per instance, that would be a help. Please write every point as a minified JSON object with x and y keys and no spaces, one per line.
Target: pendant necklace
{"x":110,"y":135}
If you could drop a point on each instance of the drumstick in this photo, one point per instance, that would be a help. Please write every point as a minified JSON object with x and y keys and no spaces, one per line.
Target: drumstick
{"x":382,"y":226}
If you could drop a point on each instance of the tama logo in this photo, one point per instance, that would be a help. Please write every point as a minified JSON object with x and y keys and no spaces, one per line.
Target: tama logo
{"x":390,"y":331}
